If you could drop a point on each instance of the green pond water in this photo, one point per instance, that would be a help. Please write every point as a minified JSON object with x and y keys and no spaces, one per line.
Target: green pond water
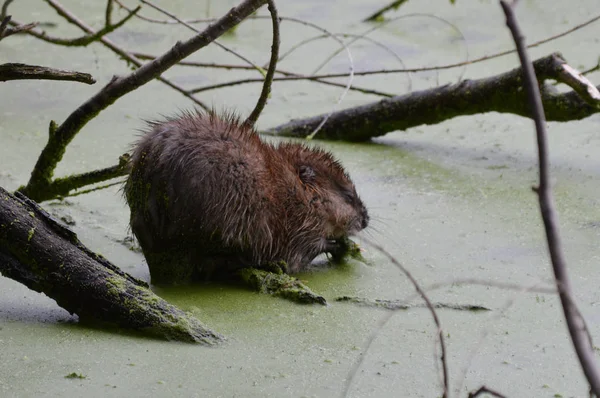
{"x":450,"y":202}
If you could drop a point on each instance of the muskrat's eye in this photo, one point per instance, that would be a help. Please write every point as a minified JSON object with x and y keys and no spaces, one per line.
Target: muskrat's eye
{"x":348,"y":196}
{"x":307,"y":174}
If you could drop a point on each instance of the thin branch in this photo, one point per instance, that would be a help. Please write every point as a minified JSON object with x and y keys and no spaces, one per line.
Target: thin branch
{"x":4,"y":20}
{"x":486,"y":390}
{"x":374,"y":333}
{"x":378,"y":15}
{"x":266,"y":89}
{"x":368,"y":31}
{"x":260,"y":80}
{"x":34,"y":72}
{"x":4,"y":11}
{"x":581,"y":340}
{"x":17,"y":28}
{"x":165,"y":22}
{"x":406,"y":70}
{"x":457,"y":64}
{"x":97,"y":188}
{"x":475,"y":346}
{"x":430,"y":306}
{"x":62,"y":187}
{"x":187,"y":25}
{"x":53,"y":152}
{"x":83,"y":40}
{"x":290,"y":77}
{"x":350,"y":75}
{"x":124,"y":54}
{"x":108,"y":12}
{"x":345,"y":35}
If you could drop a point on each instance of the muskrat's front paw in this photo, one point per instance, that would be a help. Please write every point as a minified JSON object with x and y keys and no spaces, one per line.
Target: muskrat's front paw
{"x":342,"y":248}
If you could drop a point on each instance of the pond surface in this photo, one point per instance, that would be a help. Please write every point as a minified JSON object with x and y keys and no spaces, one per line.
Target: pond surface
{"x":450,"y":202}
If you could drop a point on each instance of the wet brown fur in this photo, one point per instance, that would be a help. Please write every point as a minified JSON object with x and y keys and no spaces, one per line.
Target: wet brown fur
{"x":207,"y":187}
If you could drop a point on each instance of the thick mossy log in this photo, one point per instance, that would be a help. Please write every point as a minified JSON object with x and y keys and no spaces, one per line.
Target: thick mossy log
{"x":47,"y":257}
{"x":502,"y":93}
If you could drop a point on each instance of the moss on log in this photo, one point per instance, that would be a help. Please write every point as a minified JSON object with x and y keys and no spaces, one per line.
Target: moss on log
{"x":47,"y":257}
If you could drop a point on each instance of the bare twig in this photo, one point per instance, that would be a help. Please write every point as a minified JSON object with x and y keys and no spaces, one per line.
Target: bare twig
{"x":4,"y":11}
{"x":17,"y":28}
{"x":378,"y":15}
{"x":52,"y":153}
{"x":406,"y":16}
{"x":430,"y":306}
{"x":575,"y":323}
{"x":488,"y":283}
{"x":475,"y":346}
{"x":96,"y":188}
{"x":112,"y":46}
{"x":290,"y":77}
{"x":187,"y":25}
{"x":405,"y":70}
{"x":34,"y":72}
{"x":374,"y":333}
{"x":345,"y":35}
{"x":4,"y":20}
{"x":266,"y":89}
{"x":108,"y":12}
{"x":259,"y":80}
{"x":485,"y":390}
{"x":86,"y":39}
{"x":457,"y":64}
{"x":61,"y":187}
{"x":165,"y":22}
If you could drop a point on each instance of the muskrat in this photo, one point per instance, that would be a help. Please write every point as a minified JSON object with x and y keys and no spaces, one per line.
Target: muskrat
{"x":208,"y":196}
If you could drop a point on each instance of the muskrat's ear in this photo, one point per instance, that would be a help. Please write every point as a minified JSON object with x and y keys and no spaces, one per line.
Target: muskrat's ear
{"x":307,"y":174}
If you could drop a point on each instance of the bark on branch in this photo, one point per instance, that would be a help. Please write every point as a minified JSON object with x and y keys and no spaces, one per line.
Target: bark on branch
{"x":13,"y":71}
{"x":578,"y":331}
{"x":503,"y":93}
{"x":45,"y":256}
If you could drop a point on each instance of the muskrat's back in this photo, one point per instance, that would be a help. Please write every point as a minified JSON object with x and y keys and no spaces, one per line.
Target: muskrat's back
{"x":207,"y":195}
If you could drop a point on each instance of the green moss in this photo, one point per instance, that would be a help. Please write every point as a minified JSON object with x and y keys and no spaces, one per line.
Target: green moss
{"x":281,"y":285}
{"x":75,"y":376}
{"x":30,"y":234}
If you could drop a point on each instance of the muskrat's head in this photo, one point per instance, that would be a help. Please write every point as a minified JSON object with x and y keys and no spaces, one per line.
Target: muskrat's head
{"x":331,"y":194}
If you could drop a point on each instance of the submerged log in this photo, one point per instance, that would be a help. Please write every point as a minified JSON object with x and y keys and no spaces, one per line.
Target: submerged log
{"x":39,"y":252}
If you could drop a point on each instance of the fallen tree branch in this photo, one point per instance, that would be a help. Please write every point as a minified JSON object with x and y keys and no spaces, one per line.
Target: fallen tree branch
{"x":580,"y":337}
{"x":47,"y":257}
{"x":13,"y":71}
{"x":502,"y":93}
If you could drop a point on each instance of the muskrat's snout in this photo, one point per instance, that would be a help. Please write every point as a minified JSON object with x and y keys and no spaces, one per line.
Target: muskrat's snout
{"x":364,"y":223}
{"x":360,"y":222}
